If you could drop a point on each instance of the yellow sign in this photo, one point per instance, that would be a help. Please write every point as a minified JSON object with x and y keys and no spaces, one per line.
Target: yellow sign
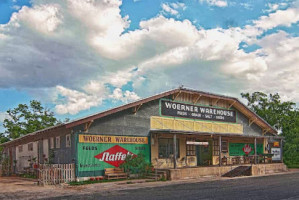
{"x":276,"y":144}
{"x":112,"y":139}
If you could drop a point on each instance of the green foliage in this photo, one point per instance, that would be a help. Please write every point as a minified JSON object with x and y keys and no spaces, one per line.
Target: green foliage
{"x":137,"y":165}
{"x":5,"y":166}
{"x":26,"y":119}
{"x":3,"y":139}
{"x":51,"y":156}
{"x":270,"y":108}
{"x":283,"y":116}
{"x":33,"y":176}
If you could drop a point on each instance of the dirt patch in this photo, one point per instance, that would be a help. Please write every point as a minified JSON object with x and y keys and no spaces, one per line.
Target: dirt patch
{"x":21,"y":188}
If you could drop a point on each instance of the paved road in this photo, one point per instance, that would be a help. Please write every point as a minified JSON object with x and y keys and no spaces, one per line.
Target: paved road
{"x":284,"y":186}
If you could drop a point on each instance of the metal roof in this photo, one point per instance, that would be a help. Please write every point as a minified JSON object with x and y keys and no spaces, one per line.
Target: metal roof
{"x":146,"y":100}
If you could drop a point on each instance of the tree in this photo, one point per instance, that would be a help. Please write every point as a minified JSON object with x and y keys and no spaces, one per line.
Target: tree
{"x":3,"y":139}
{"x":26,"y":119}
{"x":270,"y":108}
{"x":284,"y":116}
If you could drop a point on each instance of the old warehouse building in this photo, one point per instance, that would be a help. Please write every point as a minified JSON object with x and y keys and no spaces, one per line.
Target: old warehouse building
{"x":190,"y":133}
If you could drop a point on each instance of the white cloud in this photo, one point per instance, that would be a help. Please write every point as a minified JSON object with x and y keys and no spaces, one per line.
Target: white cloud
{"x":281,"y":17}
{"x":79,"y":47}
{"x":282,"y":60}
{"x":247,"y":6}
{"x":169,"y":10}
{"x":272,"y":7}
{"x":217,"y":3}
{"x":264,"y":23}
{"x":172,"y":8}
{"x":43,"y":18}
{"x":3,"y":116}
{"x":125,"y":97}
{"x":76,"y":101}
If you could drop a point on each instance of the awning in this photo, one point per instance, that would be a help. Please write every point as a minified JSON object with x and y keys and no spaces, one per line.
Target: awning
{"x":211,"y":133}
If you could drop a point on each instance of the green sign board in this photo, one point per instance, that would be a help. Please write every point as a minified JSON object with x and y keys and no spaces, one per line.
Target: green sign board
{"x":242,"y":149}
{"x":95,"y":156}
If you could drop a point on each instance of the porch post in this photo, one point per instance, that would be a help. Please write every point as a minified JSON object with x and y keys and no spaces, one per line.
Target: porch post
{"x":174,"y":151}
{"x":220,"y":150}
{"x":281,"y":150}
{"x":255,"y":153}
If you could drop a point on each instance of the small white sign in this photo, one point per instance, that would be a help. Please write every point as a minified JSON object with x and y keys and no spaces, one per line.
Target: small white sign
{"x":276,"y":152}
{"x":198,"y":143}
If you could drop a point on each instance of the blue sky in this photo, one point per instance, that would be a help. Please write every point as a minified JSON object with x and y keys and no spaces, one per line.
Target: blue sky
{"x":81,"y":57}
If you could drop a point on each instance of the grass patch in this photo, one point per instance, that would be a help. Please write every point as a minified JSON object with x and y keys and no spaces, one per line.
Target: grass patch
{"x":28,"y":176}
{"x":75,"y":183}
{"x":163,"y":179}
{"x":292,"y":166}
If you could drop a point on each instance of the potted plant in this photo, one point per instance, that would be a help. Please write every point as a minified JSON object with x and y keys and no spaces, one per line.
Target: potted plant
{"x":35,"y":165}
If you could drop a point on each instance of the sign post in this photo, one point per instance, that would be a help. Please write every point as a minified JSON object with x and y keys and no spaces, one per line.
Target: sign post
{"x":255,"y":153}
{"x":174,"y":151}
{"x":220,"y":150}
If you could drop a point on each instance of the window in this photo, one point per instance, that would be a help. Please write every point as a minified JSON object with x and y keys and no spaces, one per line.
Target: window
{"x":215,"y":147}
{"x":191,"y":150}
{"x":58,"y":142}
{"x":166,"y":147}
{"x":224,"y":147}
{"x":20,"y":148}
{"x":68,"y":140}
{"x":51,"y":143}
{"x":30,"y":147}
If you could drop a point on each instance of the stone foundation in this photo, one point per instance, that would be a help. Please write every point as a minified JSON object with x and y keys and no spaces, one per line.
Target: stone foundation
{"x":260,"y":169}
{"x":263,"y":169}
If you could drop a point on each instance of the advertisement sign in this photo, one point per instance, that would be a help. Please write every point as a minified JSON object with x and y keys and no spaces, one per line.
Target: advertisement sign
{"x":247,"y":149}
{"x":276,"y":144}
{"x":94,"y":155}
{"x":183,"y":110}
{"x":242,"y":149}
{"x":276,"y":154}
{"x":112,"y":139}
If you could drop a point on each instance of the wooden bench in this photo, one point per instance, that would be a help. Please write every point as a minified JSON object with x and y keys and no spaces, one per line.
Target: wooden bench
{"x":115,"y":173}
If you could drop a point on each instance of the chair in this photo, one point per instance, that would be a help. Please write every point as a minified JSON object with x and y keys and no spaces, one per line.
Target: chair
{"x":224,"y":161}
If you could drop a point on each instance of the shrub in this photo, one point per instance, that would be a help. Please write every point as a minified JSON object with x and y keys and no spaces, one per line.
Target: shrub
{"x":137,"y":165}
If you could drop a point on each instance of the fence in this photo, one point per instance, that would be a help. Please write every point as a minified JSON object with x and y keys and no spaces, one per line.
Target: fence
{"x":56,"y":174}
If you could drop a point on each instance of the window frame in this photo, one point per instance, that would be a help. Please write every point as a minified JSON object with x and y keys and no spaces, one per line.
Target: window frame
{"x":52,"y":143}
{"x":169,"y":148}
{"x":30,"y":146}
{"x":216,"y":147}
{"x":57,"y":142}
{"x":68,"y":142}
{"x":190,"y":150}
{"x":20,"y":148}
{"x":224,"y":146}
